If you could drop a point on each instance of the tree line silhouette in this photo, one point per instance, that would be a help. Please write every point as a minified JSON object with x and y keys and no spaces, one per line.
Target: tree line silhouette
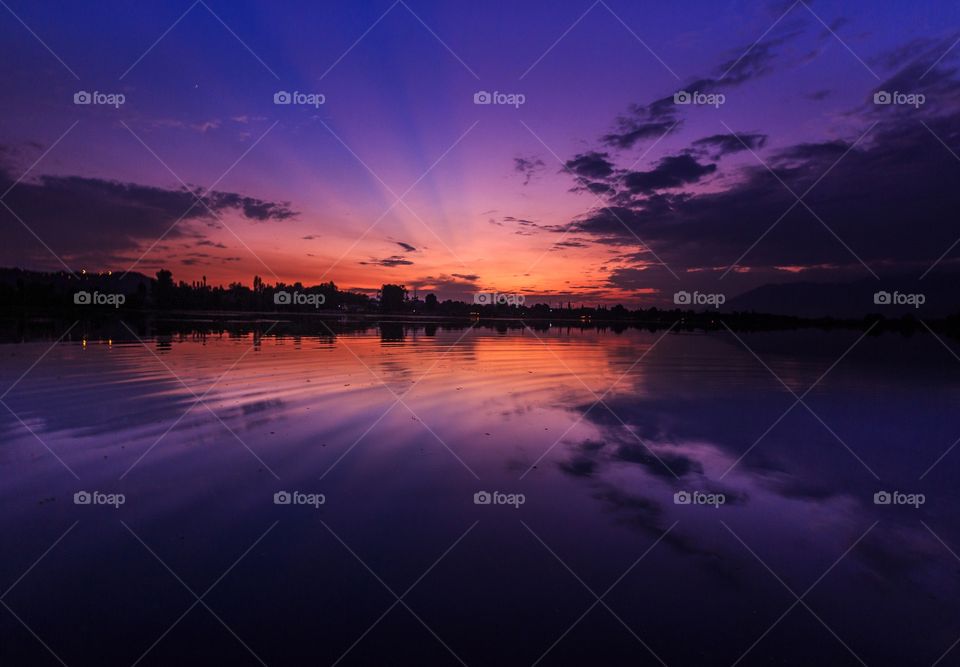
{"x":27,"y":291}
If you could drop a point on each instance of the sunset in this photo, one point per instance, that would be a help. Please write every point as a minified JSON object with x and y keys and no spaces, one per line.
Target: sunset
{"x":534,"y":333}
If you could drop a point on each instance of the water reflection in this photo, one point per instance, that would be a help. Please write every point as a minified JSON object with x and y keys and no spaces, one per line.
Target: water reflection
{"x":479,"y":410}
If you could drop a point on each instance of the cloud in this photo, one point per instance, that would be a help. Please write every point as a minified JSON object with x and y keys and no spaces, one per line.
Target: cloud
{"x":570,"y":244}
{"x":526,"y":227}
{"x":718,"y":145}
{"x":455,"y":286}
{"x":925,"y":51}
{"x":901,"y":173}
{"x":654,"y":120}
{"x":406,"y":246}
{"x":888,"y":198}
{"x":671,"y":172}
{"x":251,"y":207}
{"x":630,"y":278}
{"x":392,"y":261}
{"x":98,"y":222}
{"x":755,"y":61}
{"x":591,"y":165}
{"x":528,"y":166}
{"x":633,"y":130}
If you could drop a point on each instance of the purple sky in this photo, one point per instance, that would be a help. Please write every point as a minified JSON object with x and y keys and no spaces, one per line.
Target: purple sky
{"x":598,"y":187}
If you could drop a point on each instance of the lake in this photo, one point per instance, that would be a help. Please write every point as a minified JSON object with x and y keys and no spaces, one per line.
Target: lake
{"x":410,"y":495}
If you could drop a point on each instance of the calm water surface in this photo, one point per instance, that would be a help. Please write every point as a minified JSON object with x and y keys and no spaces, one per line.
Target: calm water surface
{"x":399,"y":431}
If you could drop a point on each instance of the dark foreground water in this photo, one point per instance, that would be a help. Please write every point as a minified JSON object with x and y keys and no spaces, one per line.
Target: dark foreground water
{"x":203,"y":564}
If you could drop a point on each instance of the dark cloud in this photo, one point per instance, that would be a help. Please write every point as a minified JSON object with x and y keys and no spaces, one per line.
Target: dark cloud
{"x":899,"y":174}
{"x":571,"y":244}
{"x":755,"y":61}
{"x":592,"y":165}
{"x":630,"y":278}
{"x":100,"y":222}
{"x":455,"y":286}
{"x":654,"y":120}
{"x":938,"y":83}
{"x":631,"y":131}
{"x":527,"y":227}
{"x":406,"y":246}
{"x":528,"y":166}
{"x":391,"y":261}
{"x":251,"y":207}
{"x":671,"y":172}
{"x":718,"y":145}
{"x":886,"y":197}
{"x":520,"y":221}
{"x":924,"y":51}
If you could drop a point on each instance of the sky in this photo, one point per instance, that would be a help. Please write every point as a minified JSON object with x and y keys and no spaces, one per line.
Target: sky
{"x":584,"y":180}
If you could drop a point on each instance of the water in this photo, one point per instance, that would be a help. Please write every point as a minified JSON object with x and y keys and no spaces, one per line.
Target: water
{"x":512,"y":411}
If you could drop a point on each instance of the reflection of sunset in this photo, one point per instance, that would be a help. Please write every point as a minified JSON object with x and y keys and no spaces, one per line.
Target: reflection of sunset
{"x":399,"y":425}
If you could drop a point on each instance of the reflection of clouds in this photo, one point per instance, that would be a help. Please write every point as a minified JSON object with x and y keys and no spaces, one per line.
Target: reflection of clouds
{"x":808,"y":504}
{"x":619,"y":446}
{"x":649,"y":517}
{"x":700,"y":402}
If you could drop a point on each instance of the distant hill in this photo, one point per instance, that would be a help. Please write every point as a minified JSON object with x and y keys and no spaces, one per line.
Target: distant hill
{"x":934,"y":296}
